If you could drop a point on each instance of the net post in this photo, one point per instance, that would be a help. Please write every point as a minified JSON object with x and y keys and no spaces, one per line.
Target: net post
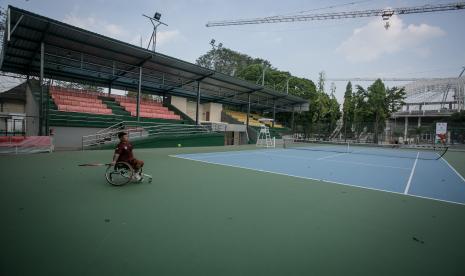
{"x":444,"y":152}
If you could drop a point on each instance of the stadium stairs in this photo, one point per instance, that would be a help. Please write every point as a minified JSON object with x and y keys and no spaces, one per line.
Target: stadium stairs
{"x":114,"y":113}
{"x":114,"y":106}
{"x":173,"y":130}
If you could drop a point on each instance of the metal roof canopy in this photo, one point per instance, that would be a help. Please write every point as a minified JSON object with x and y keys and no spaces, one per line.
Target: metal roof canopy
{"x":74,"y":54}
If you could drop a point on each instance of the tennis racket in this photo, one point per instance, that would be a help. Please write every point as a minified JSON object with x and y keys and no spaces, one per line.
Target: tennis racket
{"x":93,"y":164}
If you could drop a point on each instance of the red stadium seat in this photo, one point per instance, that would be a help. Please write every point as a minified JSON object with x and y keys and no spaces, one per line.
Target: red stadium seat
{"x":17,"y":139}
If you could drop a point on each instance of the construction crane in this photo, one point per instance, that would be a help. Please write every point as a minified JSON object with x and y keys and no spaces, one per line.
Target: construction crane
{"x":384,"y":13}
{"x":383,"y":79}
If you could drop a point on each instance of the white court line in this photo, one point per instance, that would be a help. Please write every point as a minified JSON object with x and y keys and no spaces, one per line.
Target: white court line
{"x":222,"y":153}
{"x":450,"y":166}
{"x":337,"y":161}
{"x":309,"y":178}
{"x":262,"y":152}
{"x":332,"y":155}
{"x":368,"y":164}
{"x":411,"y":175}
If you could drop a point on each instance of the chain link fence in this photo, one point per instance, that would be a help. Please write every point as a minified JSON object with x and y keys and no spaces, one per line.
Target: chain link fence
{"x":386,"y":132}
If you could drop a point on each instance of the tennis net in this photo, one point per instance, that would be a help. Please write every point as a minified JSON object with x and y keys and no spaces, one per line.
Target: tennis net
{"x":426,"y":152}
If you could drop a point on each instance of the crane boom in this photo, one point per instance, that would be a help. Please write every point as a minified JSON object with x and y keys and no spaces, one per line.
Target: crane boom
{"x":385,"y":13}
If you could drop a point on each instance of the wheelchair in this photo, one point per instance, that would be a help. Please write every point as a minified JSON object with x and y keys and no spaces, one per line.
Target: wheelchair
{"x":122,"y":173}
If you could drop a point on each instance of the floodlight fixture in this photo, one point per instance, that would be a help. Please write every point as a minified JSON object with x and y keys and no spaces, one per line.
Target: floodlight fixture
{"x":155,"y":21}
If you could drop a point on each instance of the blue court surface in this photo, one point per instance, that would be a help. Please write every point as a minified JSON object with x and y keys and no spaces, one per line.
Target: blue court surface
{"x":432,"y":179}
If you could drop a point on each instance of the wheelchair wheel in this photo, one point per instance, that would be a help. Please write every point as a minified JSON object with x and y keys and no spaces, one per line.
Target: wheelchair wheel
{"x":119,"y":174}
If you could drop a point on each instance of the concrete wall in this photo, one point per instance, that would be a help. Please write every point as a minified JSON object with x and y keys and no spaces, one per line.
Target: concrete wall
{"x":32,"y":113}
{"x":12,"y":107}
{"x":215,"y":110}
{"x":236,"y":127}
{"x":71,"y":137}
{"x":179,"y":103}
{"x":189,"y":108}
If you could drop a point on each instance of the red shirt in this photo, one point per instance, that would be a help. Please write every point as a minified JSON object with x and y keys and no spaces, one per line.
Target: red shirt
{"x":124,"y":149}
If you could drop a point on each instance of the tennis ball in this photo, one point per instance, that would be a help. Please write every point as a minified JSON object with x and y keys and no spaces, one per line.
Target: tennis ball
{"x":179,"y":145}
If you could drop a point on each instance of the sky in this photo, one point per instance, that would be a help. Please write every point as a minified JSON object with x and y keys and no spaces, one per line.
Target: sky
{"x":418,"y":45}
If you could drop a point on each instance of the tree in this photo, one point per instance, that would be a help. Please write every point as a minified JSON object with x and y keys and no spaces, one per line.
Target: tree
{"x":348,"y":108}
{"x":323,"y":109}
{"x":133,"y":94}
{"x":334,"y":112}
{"x":2,"y":26}
{"x":394,"y":99}
{"x":321,"y":81}
{"x":80,"y":86}
{"x":227,"y":61}
{"x":375,"y":104}
{"x":378,"y":104}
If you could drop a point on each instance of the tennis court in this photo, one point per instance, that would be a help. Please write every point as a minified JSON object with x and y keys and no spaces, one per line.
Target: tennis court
{"x":411,"y":172}
{"x":199,"y":218}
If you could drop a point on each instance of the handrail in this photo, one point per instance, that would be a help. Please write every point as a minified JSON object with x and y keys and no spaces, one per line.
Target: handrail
{"x":137,"y":131}
{"x":111,"y":127}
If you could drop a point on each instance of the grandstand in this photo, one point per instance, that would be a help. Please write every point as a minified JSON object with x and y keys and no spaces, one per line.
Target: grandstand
{"x":426,"y":102}
{"x":188,"y":94}
{"x":439,"y":97}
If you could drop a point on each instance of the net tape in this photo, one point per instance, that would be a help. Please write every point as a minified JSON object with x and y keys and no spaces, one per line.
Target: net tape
{"x":426,"y":152}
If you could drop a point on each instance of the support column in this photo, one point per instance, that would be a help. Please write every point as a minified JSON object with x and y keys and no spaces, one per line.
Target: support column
{"x":47,"y":108}
{"x":274,"y":112}
{"x":41,"y":109}
{"x":197,"y":121}
{"x":248,"y":110}
{"x":419,"y":122}
{"x":109,"y":89}
{"x":138,"y":94}
{"x":405,"y":129}
{"x":292,"y":119}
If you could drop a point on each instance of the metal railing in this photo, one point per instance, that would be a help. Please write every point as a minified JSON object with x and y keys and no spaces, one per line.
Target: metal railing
{"x":136,"y":131}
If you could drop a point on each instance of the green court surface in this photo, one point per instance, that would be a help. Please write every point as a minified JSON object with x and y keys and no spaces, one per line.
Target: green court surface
{"x":205,"y":219}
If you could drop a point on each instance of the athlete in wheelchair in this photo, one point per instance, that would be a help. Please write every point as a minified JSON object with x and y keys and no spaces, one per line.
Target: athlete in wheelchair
{"x":124,"y":167}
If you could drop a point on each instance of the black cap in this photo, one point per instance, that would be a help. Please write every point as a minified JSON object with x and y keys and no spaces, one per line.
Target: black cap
{"x":121,"y":134}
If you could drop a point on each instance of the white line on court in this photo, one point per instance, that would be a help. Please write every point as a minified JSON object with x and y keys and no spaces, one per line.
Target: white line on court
{"x":227,"y":153}
{"x":337,"y":161}
{"x":450,"y":166}
{"x":367,"y":164}
{"x":332,"y":155}
{"x":411,"y":174}
{"x":269,"y":153}
{"x":309,"y":178}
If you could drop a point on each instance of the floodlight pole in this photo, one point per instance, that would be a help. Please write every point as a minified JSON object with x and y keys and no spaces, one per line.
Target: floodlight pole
{"x":155,"y":23}
{"x":248,"y":110}
{"x":197,"y":121}
{"x":274,"y":113}
{"x":41,"y":109}
{"x":292,"y":118}
{"x":138,"y":94}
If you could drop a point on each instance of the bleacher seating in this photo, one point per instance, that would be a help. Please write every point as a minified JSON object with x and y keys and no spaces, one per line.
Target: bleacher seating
{"x":148,"y":108}
{"x":73,"y":100}
{"x":253,"y":119}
